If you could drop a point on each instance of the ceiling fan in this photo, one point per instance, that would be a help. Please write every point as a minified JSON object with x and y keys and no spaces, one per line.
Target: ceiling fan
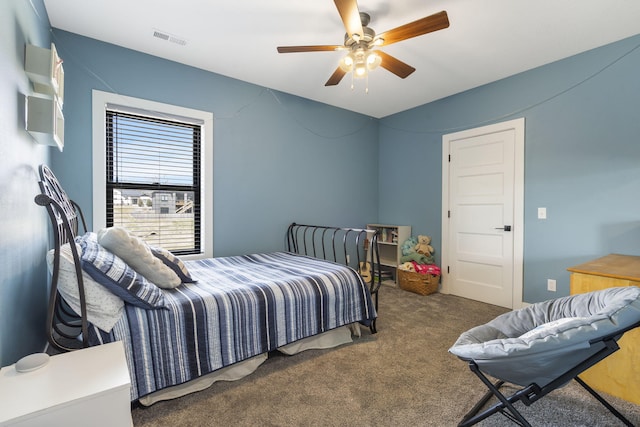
{"x":360,"y":41}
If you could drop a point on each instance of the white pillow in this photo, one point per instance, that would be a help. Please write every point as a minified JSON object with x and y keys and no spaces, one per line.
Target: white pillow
{"x":137,"y":254}
{"x":104,"y":309}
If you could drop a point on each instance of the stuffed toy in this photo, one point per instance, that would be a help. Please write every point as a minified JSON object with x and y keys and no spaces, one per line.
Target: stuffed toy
{"x":408,"y":246}
{"x":421,"y":268}
{"x":423,"y":247}
{"x":408,"y":266}
{"x":419,"y":258}
{"x":432,"y":269}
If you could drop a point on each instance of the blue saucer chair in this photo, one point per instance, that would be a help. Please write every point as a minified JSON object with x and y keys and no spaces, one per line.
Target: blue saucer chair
{"x":544,"y":346}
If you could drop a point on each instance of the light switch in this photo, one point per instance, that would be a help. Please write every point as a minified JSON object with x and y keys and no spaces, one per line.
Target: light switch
{"x":542,"y":213}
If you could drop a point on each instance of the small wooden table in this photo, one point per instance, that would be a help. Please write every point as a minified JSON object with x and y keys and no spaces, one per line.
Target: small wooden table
{"x":618,"y":374}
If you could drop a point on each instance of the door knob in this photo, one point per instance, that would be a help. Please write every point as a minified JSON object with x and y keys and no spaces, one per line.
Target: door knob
{"x":505,"y":228}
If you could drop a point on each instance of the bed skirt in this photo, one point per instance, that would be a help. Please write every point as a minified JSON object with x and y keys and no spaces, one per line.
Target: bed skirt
{"x":237,"y":371}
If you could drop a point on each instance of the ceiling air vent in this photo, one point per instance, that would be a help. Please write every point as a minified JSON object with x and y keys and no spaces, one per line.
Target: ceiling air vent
{"x":160,"y":35}
{"x":168,"y":37}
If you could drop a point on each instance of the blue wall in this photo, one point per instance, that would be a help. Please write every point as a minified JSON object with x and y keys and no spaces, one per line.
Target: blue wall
{"x":23,"y":224}
{"x":280,"y":158}
{"x":277,"y":158}
{"x":582,"y":159}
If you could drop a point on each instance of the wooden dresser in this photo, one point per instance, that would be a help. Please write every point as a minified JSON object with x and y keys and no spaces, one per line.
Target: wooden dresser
{"x":619,"y":374}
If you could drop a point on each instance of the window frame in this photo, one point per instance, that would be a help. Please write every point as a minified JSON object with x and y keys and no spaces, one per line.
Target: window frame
{"x":100,"y":101}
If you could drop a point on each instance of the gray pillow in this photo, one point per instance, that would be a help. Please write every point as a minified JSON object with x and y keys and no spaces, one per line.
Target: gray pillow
{"x":114,"y":274}
{"x":174,"y":263}
{"x":137,"y":254}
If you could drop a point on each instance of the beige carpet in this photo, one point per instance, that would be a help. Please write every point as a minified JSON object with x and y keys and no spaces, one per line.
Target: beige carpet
{"x":401,"y":376}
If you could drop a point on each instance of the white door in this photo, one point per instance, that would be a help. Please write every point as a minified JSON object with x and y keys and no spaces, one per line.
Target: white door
{"x":482,"y":213}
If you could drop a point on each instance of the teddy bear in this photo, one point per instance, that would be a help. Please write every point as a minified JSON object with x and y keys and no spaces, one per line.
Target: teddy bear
{"x":423,"y":246}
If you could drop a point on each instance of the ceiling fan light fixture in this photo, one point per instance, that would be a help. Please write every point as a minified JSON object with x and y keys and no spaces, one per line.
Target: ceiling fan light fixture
{"x":361,"y":40}
{"x":346,"y":63}
{"x":360,"y":66}
{"x":359,"y":62}
{"x":373,"y":60}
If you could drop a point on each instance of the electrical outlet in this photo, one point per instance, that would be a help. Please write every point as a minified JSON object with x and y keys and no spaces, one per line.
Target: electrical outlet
{"x":542,"y":213}
{"x":551,"y":285}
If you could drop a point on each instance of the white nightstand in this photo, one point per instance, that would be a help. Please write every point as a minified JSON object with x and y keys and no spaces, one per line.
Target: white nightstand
{"x":81,"y":388}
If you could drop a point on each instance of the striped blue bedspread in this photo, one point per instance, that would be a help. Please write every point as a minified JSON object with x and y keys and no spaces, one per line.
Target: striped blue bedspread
{"x":240,"y":307}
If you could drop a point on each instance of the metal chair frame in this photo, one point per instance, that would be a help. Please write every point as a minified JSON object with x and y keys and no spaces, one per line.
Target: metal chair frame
{"x":531,"y":393}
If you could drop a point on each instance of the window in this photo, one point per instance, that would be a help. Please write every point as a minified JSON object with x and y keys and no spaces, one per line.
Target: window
{"x":154,"y":157}
{"x":150,"y":164}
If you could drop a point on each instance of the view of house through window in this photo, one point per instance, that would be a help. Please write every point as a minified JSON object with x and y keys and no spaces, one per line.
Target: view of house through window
{"x":153,"y":179}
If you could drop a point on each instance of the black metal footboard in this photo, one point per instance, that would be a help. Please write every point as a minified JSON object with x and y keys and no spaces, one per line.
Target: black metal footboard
{"x":353,"y":247}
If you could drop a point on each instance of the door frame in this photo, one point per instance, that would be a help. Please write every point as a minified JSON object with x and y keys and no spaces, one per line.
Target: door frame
{"x":518,"y":202}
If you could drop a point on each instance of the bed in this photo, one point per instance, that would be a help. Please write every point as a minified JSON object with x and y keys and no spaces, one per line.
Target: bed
{"x":224,"y":315}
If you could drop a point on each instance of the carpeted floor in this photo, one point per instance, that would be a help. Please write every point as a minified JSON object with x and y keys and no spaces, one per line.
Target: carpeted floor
{"x":401,"y":376}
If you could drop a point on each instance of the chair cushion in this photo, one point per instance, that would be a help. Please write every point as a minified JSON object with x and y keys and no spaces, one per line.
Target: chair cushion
{"x":511,"y":348}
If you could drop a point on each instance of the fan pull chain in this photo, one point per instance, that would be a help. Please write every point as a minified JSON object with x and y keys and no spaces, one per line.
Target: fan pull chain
{"x":352,"y":85}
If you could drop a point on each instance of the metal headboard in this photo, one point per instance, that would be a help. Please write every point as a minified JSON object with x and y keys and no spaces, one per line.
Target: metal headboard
{"x":64,"y":326}
{"x":354,"y":247}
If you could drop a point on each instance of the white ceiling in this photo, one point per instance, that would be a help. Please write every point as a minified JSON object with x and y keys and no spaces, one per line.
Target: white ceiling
{"x":487,"y":40}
